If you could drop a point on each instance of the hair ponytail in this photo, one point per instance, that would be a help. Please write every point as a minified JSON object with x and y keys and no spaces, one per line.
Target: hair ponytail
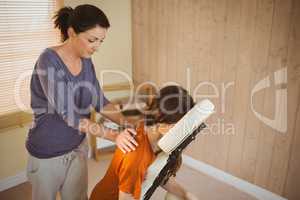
{"x":62,"y":21}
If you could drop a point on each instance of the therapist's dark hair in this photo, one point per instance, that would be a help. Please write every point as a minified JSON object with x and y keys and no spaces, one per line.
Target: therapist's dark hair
{"x":82,"y":18}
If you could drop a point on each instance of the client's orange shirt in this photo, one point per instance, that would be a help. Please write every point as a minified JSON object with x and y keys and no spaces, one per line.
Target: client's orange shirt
{"x":126,"y":171}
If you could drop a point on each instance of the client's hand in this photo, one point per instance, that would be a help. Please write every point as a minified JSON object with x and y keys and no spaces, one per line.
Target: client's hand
{"x":125,"y":140}
{"x":190,"y":196}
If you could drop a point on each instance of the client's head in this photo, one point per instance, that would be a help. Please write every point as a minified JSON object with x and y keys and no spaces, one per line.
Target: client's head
{"x":171,"y":104}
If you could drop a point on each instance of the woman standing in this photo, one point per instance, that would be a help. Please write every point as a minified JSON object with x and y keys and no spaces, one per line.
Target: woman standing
{"x":63,"y":88}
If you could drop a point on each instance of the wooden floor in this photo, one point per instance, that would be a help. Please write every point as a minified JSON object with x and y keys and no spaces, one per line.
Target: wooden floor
{"x":202,"y":186}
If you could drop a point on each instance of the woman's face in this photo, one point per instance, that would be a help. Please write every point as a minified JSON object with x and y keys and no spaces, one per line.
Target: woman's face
{"x":89,"y":41}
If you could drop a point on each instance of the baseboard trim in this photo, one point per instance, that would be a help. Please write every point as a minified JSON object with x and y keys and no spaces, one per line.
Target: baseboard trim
{"x":12,"y":181}
{"x":249,"y":188}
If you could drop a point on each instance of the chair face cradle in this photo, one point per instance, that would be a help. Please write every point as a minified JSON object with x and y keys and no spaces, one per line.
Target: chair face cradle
{"x":164,"y":174}
{"x":173,"y":143}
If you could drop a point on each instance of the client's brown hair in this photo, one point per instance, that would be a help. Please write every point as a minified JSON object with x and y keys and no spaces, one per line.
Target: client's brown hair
{"x":172,"y":103}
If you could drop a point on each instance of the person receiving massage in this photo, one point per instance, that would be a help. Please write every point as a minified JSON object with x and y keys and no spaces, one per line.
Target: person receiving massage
{"x":124,"y":177}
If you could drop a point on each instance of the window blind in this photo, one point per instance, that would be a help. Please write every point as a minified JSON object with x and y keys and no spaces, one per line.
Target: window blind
{"x":26,"y":29}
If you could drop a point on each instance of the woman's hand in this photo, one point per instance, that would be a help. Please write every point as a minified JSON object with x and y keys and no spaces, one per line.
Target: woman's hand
{"x":125,"y":140}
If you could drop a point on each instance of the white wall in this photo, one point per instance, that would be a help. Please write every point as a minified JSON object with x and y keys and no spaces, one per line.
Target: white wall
{"x":13,"y":154}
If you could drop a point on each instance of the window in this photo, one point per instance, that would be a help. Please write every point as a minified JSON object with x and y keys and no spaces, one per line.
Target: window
{"x":26,"y":28}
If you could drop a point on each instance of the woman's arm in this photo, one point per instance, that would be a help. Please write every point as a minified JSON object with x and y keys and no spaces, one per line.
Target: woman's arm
{"x":124,"y":139}
{"x":111,"y":112}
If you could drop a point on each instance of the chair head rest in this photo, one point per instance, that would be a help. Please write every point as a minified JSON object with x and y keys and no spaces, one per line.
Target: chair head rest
{"x":186,"y":125}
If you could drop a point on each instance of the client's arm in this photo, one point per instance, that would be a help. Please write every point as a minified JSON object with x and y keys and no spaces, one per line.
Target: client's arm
{"x":173,"y":187}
